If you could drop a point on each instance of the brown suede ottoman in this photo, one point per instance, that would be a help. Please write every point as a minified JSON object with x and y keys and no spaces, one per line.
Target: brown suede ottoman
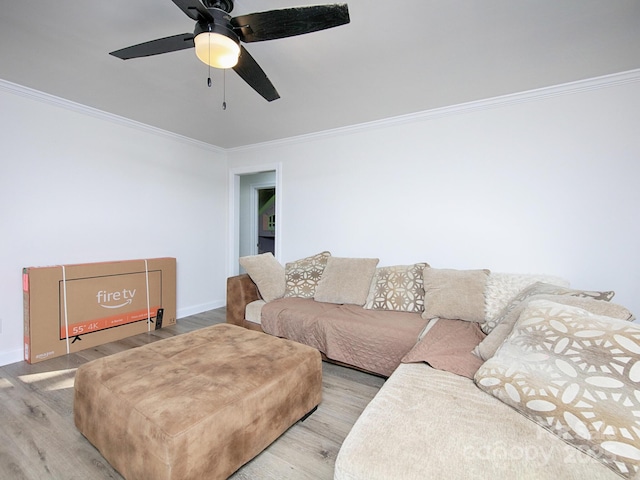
{"x":198,"y":405}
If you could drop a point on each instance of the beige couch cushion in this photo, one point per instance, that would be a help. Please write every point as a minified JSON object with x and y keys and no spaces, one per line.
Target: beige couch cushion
{"x":267,"y":273}
{"x":346,"y":280}
{"x":253,"y":311}
{"x":576,"y":374}
{"x":430,"y":424}
{"x":454,"y":294}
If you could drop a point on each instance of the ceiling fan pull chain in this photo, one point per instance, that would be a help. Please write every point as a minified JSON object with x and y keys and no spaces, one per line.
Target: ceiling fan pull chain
{"x":209,"y":79}
{"x":224,"y":89}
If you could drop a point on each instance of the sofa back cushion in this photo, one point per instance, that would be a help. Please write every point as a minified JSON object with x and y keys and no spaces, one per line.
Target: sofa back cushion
{"x":267,"y":273}
{"x":454,"y":294}
{"x":346,"y":280}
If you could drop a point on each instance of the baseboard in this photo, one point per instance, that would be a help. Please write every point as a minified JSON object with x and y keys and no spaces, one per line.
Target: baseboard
{"x":203,"y":307}
{"x":13,"y":356}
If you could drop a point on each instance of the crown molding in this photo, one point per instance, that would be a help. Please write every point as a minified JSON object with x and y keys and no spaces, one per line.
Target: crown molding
{"x":39,"y":96}
{"x":571,"y":88}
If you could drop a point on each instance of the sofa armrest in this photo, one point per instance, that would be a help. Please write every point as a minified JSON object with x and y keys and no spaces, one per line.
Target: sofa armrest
{"x":240,"y":292}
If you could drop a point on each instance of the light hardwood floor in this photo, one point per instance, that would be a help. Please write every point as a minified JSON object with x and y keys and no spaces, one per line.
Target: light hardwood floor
{"x":38,"y":439}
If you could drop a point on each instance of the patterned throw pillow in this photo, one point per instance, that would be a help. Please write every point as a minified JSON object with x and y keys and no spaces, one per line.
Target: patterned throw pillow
{"x":492,"y":342}
{"x":576,"y":374}
{"x":302,"y":276}
{"x":398,"y":288}
{"x":542,"y":288}
{"x":502,"y":287}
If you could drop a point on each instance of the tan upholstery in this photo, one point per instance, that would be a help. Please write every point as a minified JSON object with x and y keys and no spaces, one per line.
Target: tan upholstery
{"x":240,"y":292}
{"x":197,"y":405}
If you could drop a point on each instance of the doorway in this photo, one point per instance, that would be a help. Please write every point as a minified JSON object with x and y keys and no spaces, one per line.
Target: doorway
{"x":266,"y":220}
{"x":254,"y":205}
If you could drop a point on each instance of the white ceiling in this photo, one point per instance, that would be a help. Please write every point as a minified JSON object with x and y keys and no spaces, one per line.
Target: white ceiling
{"x":394,"y":58}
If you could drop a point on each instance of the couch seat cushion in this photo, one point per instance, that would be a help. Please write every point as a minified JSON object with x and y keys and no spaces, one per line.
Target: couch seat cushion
{"x":426,"y":423}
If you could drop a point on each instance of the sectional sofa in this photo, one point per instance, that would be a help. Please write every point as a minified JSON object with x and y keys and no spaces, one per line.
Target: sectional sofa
{"x":489,"y":375}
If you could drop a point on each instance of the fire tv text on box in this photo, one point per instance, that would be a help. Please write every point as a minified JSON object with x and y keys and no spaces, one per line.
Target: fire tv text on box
{"x":108,"y":301}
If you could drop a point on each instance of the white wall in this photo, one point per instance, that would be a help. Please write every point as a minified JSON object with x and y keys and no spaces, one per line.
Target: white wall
{"x":542,"y":183}
{"x":77,"y":186}
{"x":545,"y":182}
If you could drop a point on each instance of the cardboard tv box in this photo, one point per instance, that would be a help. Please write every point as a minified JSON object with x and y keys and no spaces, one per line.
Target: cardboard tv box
{"x":68,"y":308}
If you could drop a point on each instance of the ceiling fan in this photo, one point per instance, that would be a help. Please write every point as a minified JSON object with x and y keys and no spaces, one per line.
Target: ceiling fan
{"x":217,"y":35}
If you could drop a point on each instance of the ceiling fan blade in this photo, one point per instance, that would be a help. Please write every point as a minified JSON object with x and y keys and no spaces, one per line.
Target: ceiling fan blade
{"x":155,"y":47}
{"x":250,"y":72}
{"x":288,"y":22}
{"x":194,"y":9}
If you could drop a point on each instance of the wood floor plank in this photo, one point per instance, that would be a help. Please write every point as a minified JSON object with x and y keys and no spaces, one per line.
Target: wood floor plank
{"x":48,"y":442}
{"x":268,"y":466}
{"x":13,"y":463}
{"x":38,"y":439}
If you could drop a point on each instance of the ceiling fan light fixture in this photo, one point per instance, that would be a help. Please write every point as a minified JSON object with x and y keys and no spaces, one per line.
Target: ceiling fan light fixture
{"x":216,"y":49}
{"x":217,"y":36}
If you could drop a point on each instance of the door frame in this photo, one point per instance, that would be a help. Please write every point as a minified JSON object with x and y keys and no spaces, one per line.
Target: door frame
{"x":233,"y":231}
